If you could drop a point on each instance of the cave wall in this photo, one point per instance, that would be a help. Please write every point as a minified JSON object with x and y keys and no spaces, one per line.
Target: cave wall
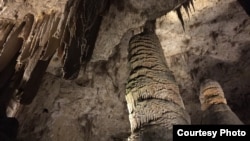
{"x":91,"y":107}
{"x":215,"y":44}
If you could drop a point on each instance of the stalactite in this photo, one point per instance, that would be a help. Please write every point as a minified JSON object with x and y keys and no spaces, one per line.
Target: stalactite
{"x":53,"y":42}
{"x":5,"y":29}
{"x":187,"y":7}
{"x":37,"y":64}
{"x":26,"y":50}
{"x":29,"y":88}
{"x":80,"y":34}
{"x":72,"y":54}
{"x":59,"y":34}
{"x":36,"y":48}
{"x":11,"y":76}
{"x":7,"y":82}
{"x":11,"y":47}
{"x":29,"y":20}
{"x":11,"y":99}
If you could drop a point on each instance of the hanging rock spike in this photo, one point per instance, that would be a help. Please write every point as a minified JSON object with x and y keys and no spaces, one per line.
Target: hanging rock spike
{"x":178,"y":11}
{"x":187,"y":6}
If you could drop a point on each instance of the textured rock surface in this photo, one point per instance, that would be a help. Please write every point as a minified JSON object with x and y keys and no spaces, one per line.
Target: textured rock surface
{"x":215,"y":45}
{"x":90,"y":108}
{"x":17,"y":9}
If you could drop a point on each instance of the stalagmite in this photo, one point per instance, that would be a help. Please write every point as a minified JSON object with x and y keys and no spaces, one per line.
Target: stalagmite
{"x":153,"y":98}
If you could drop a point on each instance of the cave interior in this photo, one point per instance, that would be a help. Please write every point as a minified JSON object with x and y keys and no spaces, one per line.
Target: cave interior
{"x":63,"y":63}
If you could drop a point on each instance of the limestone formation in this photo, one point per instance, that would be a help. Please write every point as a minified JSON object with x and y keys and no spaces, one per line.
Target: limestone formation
{"x":152,"y":94}
{"x":63,"y":64}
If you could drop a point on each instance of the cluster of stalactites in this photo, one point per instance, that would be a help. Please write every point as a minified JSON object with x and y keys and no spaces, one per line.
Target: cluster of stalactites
{"x":27,"y":47}
{"x":187,"y":7}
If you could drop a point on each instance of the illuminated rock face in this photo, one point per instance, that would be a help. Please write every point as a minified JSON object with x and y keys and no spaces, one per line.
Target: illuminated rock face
{"x":80,"y":58}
